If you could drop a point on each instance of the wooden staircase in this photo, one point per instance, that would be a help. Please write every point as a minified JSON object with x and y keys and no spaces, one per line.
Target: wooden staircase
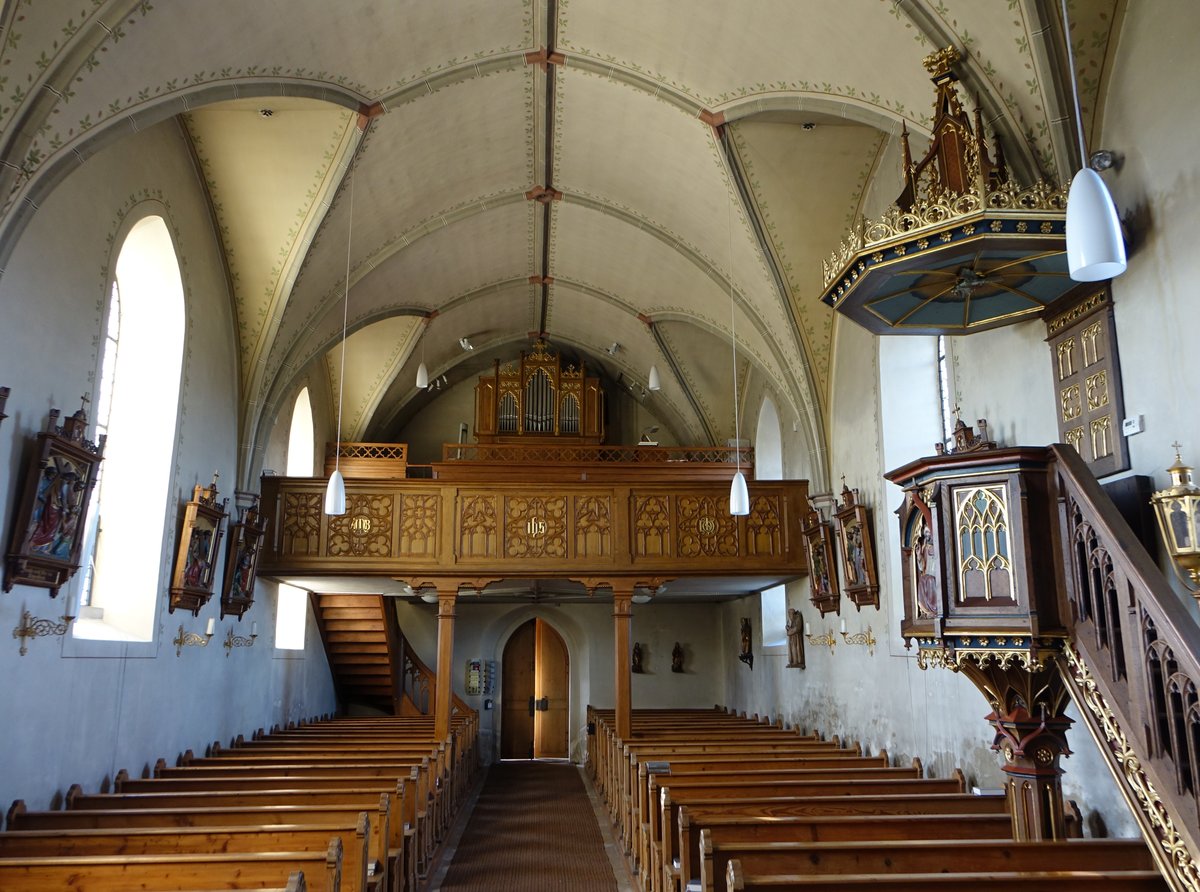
{"x":362,"y":649}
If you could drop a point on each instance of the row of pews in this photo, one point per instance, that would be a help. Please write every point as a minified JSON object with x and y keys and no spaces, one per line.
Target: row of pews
{"x":339,"y":804}
{"x":707,"y":800}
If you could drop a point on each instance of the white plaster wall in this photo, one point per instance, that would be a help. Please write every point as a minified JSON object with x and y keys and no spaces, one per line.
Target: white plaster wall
{"x":482,"y":630}
{"x":81,"y":710}
{"x":1152,"y":116}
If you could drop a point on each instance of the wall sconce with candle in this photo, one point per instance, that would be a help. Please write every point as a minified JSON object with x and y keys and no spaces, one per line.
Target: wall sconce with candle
{"x":1178,"y":511}
{"x":862,"y":639}
{"x":232,"y":640}
{"x":191,"y":639}
{"x":825,"y":640}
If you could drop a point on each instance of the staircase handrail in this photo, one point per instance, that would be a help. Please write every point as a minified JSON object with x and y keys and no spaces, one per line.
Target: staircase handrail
{"x":1132,"y":662}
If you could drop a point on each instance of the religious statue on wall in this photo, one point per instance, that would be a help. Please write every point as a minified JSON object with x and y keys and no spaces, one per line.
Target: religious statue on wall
{"x":746,"y":656}
{"x":637,"y":657}
{"x":677,"y":658}
{"x":795,"y":639}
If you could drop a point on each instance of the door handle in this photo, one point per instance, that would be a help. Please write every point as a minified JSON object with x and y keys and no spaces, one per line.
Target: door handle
{"x":544,"y":704}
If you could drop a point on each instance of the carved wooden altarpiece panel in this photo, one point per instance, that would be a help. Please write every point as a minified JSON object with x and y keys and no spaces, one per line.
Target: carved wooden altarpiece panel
{"x":241,"y":560}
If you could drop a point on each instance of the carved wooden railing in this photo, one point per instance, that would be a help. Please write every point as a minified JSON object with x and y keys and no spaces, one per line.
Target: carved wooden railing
{"x":367,"y":461}
{"x":1133,"y":665}
{"x":533,"y":529}
{"x":523,"y":453}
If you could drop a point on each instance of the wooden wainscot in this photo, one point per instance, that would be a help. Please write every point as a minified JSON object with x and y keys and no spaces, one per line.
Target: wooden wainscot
{"x":51,"y":520}
{"x":199,"y":541}
{"x":858,"y":551}
{"x":241,"y":558}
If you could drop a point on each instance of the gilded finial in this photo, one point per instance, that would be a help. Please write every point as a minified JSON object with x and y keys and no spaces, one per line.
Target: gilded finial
{"x":939,"y":64}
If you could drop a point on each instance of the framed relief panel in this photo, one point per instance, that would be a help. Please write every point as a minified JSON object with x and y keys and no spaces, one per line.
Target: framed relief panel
{"x":192,"y":581}
{"x":822,"y":576}
{"x":861,"y":581}
{"x":241,"y":560}
{"x":49,"y":526}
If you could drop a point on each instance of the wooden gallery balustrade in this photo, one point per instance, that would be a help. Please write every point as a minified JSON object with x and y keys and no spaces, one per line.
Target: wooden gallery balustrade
{"x":536,"y":511}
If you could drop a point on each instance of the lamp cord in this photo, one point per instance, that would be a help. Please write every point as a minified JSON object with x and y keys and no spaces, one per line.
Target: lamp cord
{"x":337,"y":456}
{"x":1083,"y":157}
{"x":737,"y":431}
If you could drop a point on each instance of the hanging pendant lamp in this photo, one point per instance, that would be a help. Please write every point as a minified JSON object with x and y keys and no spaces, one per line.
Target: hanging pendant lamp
{"x":422,"y":371}
{"x":1095,"y":247}
{"x":739,"y":498}
{"x":654,"y":383}
{"x":335,"y":490}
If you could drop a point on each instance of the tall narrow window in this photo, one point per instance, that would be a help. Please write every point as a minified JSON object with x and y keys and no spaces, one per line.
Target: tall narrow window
{"x":300,"y":438}
{"x":137,"y":406}
{"x":768,"y":465}
{"x":943,"y":368}
{"x":290,"y":615}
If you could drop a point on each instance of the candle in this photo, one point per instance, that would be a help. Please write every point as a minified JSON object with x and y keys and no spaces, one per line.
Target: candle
{"x":843,"y":627}
{"x":807,"y":629}
{"x":254,"y":629}
{"x":212,"y":626}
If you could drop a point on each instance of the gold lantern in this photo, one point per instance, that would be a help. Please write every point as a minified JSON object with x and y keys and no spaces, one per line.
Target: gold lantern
{"x":1178,"y":512}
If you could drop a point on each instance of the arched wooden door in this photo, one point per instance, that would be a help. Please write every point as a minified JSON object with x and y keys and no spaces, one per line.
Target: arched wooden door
{"x":536,"y":681}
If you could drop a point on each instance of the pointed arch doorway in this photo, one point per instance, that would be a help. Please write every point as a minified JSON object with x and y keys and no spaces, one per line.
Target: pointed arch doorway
{"x":536,"y":679}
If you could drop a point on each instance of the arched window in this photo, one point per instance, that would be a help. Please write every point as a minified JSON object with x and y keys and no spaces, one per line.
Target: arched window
{"x":300,"y":438}
{"x":136,"y":406}
{"x":768,"y":465}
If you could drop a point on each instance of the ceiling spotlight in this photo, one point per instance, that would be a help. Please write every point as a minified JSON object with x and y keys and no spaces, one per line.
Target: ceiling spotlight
{"x":266,"y":112}
{"x":613,"y":349}
{"x":466,"y":344}
{"x":808,"y":125}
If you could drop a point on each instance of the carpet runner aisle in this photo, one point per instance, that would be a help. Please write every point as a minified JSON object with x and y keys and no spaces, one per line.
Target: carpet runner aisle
{"x":532,"y":830}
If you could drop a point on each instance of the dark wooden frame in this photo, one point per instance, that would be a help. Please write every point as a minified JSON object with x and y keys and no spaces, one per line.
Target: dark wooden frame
{"x":860,"y":577}
{"x":818,"y":543}
{"x":4,"y":391}
{"x":241,"y":560}
{"x":199,"y":543}
{"x":45,"y":547}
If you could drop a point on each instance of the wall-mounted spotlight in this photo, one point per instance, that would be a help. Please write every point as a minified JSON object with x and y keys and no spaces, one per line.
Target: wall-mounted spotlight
{"x":466,"y":344}
{"x":613,"y":349}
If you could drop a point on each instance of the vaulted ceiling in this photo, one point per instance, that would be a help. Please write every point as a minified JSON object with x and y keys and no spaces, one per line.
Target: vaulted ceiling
{"x":653,"y":174}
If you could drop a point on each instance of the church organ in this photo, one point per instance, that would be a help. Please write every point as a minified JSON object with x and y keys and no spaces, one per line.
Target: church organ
{"x":535,"y":396}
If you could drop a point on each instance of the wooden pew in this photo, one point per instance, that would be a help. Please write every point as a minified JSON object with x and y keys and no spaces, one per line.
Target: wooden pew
{"x":889,"y":857}
{"x":129,"y":819}
{"x":775,"y":771}
{"x":728,"y":826}
{"x":202,"y":841}
{"x":664,"y":823}
{"x":115,"y":873}
{"x":736,"y":880}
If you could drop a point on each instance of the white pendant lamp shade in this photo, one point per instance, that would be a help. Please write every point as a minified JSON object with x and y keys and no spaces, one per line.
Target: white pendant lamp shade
{"x":422,"y":376}
{"x":739,"y":498}
{"x":335,"y":494}
{"x":655,"y":383}
{"x":1095,"y":249}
